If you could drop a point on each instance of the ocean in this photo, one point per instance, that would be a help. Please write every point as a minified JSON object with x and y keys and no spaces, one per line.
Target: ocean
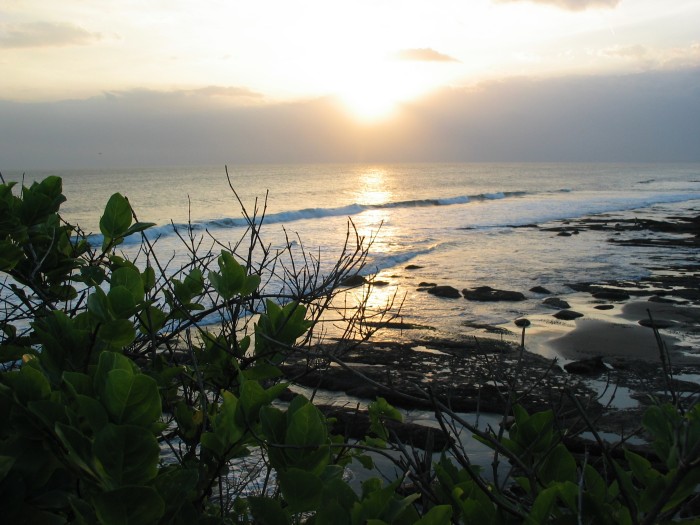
{"x":462,"y":224}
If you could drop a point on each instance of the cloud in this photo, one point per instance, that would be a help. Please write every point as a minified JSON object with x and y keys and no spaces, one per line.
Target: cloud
{"x":45,"y":34}
{"x":684,"y":57}
{"x":226,"y":91}
{"x":195,"y":99}
{"x":423,"y":55}
{"x":645,"y":117}
{"x":571,"y":5}
{"x":634,"y":51}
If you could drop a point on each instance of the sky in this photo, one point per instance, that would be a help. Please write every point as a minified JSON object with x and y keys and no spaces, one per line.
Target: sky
{"x":91,"y":83}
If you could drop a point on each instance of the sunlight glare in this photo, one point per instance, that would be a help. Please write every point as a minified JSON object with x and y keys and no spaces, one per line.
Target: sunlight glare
{"x":374,"y":92}
{"x":372,"y":188}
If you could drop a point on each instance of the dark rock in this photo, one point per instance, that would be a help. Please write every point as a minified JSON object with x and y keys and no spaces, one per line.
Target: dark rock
{"x":579,"y":287}
{"x":486,"y":328}
{"x":592,"y":366}
{"x":353,"y":280}
{"x":540,"y":289}
{"x":380,"y":283}
{"x":413,"y":267}
{"x":356,"y":424}
{"x":567,"y":315}
{"x":486,"y":293}
{"x":522,"y":322}
{"x":397,"y":325}
{"x":564,"y":234}
{"x":555,"y":302}
{"x":659,"y":299}
{"x":656,"y":323}
{"x":688,"y":293}
{"x":612,"y":295}
{"x":604,"y":307}
{"x":444,"y":291}
{"x":457,"y":374}
{"x":423,"y":284}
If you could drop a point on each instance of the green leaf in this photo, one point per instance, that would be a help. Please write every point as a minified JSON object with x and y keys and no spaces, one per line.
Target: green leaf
{"x":78,"y":446}
{"x":194,"y":282}
{"x":116,"y":218}
{"x":107,"y":362}
{"x":138,"y":227}
{"x":130,"y":279}
{"x":135,"y":505}
{"x":176,"y":486}
{"x":559,"y":465}
{"x":30,"y":384}
{"x":151,"y":319}
{"x":212,"y":442}
{"x":225,"y":425}
{"x":307,"y":427}
{"x":380,"y":410}
{"x":92,"y":275}
{"x":131,"y":398}
{"x":542,"y":507}
{"x":301,"y":490}
{"x":380,"y":503}
{"x":126,"y":455}
{"x":115,"y":222}
{"x":92,"y":411}
{"x":267,"y":511}
{"x":274,"y":424}
{"x":595,"y":484}
{"x":98,"y":305}
{"x":438,"y":515}
{"x":250,"y":285}
{"x":10,"y":255}
{"x":230,"y":281}
{"x":121,"y":301}
{"x":148,"y":277}
{"x":117,"y":333}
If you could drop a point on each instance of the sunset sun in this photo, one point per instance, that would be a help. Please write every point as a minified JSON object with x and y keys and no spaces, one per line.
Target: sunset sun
{"x":375,"y":92}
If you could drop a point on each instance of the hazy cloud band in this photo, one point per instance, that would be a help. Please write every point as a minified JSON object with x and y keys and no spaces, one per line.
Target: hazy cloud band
{"x":44,"y":34}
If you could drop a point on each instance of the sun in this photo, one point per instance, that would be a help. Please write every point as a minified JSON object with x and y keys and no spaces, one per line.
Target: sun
{"x":369,"y":103}
{"x":375,"y":92}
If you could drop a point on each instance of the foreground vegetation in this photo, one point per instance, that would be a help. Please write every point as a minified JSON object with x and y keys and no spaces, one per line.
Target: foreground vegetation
{"x":118,"y":405}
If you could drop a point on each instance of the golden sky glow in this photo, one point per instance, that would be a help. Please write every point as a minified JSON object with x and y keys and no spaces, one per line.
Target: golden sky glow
{"x":370,"y":54}
{"x":179,"y":82}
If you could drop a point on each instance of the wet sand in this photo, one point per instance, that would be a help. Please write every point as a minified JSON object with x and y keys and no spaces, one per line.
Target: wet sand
{"x":620,"y":335}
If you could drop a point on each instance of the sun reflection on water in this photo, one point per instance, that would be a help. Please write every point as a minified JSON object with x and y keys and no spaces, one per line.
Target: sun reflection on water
{"x":373,"y":191}
{"x":373,"y":188}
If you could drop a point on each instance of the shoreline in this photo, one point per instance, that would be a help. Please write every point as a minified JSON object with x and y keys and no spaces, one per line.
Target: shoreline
{"x":613,"y":318}
{"x":475,"y":372}
{"x":618,"y":315}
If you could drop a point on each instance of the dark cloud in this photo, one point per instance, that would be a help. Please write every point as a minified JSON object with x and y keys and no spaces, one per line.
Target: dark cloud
{"x":227,"y":91}
{"x":571,"y":5}
{"x":196,"y":97}
{"x":646,"y":117}
{"x":45,"y":34}
{"x":423,"y":55}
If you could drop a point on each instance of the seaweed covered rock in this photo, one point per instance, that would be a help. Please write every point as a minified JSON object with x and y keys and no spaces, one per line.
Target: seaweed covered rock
{"x":486,"y":293}
{"x":444,"y":291}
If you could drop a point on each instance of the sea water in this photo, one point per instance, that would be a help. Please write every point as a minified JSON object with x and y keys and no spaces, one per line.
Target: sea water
{"x":463,"y":224}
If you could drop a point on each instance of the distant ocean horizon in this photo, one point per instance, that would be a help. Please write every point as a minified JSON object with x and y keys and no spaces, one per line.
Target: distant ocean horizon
{"x":463,"y":223}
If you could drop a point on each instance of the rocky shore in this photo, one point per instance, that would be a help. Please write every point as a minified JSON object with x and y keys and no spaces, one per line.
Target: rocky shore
{"x":615,"y":344}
